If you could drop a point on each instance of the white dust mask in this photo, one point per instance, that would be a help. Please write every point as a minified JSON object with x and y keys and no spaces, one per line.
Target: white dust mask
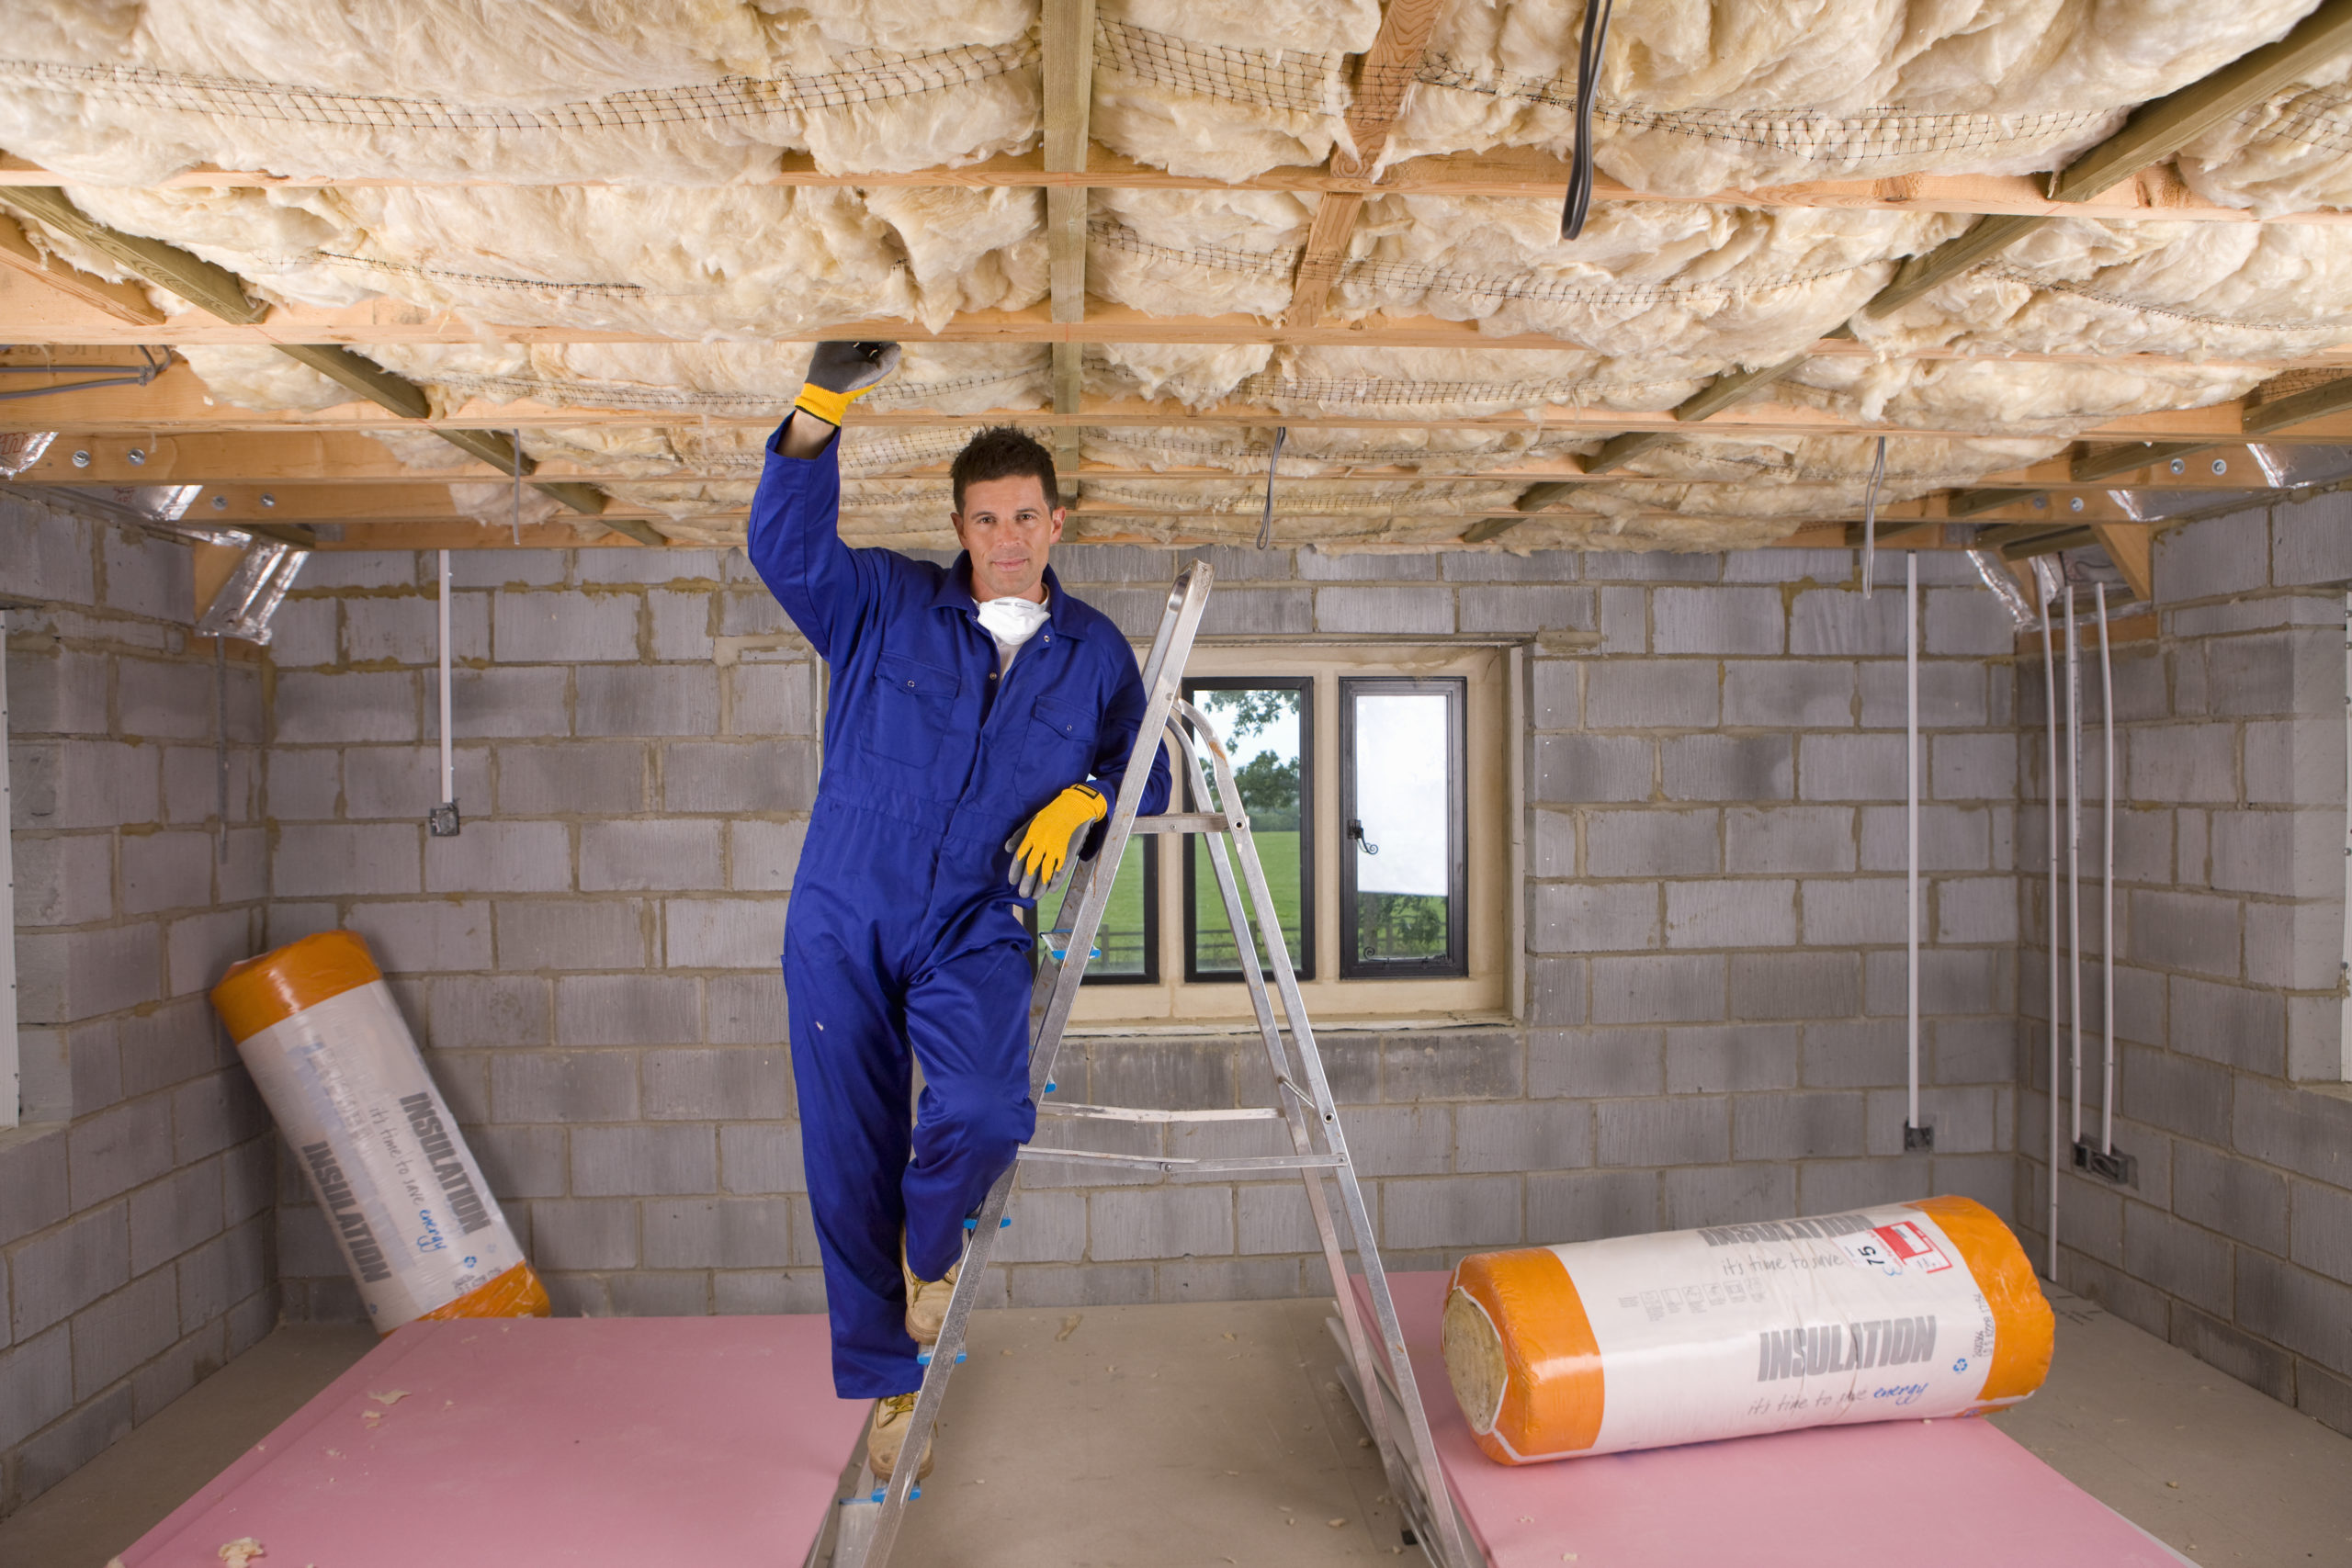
{"x":1012,"y":621}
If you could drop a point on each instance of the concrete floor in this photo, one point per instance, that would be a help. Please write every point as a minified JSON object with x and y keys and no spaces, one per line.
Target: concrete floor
{"x":1139,"y":1437}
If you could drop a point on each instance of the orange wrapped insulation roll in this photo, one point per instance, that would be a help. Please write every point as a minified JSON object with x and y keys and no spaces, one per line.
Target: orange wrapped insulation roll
{"x":418,"y":1227}
{"x":1910,"y":1310}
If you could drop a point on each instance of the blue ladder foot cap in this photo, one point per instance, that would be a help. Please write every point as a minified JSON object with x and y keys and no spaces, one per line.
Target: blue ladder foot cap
{"x":881,"y":1492}
{"x":923,"y":1358}
{"x":1003,"y":1223}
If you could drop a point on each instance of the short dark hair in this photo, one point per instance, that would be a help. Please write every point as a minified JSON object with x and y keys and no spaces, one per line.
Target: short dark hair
{"x":1003,"y":452}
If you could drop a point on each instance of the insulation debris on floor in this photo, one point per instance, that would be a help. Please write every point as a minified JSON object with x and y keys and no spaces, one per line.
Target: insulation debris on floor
{"x":622,"y":160}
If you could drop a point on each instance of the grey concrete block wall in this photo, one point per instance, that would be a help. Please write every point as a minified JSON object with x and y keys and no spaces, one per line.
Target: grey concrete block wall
{"x":2230,"y":857}
{"x":135,"y":1194}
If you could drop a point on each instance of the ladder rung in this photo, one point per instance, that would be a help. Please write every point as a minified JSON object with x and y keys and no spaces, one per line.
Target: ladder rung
{"x":1122,"y":1113}
{"x":1184,"y":822}
{"x":1171,"y":1163}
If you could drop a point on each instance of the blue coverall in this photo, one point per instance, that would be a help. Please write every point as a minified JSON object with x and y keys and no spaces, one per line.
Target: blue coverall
{"x":902,"y":933}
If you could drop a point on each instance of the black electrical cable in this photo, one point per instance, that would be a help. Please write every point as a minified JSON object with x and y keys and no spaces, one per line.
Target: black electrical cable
{"x":1588,"y":51}
{"x":1266,"y":519}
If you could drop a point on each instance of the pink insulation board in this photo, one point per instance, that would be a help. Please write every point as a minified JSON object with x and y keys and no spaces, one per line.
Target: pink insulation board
{"x":583,"y":1442}
{"x":1954,"y":1493}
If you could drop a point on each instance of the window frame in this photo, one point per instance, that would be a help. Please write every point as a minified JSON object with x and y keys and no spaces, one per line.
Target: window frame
{"x":1455,"y":962}
{"x":1148,"y":844}
{"x":1302,"y":958}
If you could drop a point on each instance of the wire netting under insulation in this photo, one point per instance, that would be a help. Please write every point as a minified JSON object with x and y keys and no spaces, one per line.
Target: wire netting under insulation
{"x":1301,"y":82}
{"x":865,"y":76}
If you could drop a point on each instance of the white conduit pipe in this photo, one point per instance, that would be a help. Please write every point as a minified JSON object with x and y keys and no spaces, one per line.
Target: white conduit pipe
{"x":449,"y":757}
{"x":2106,"y":938}
{"x":1911,"y":823}
{"x":2049,"y":790}
{"x":2074,"y":861}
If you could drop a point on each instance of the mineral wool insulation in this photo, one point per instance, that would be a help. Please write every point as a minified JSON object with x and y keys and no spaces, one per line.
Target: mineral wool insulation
{"x":683,"y":109}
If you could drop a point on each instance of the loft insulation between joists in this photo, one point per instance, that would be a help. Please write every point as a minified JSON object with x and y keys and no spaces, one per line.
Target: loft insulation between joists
{"x":667,"y":91}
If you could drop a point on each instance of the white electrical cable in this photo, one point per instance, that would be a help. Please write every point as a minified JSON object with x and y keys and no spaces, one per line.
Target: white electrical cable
{"x":2049,"y":791}
{"x":2075,"y":861}
{"x":1911,"y":823}
{"x":449,"y":757}
{"x":2106,"y":938}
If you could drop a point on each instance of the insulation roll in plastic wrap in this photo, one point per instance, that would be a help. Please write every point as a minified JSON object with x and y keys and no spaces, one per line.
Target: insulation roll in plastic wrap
{"x":1908,"y":1311}
{"x":417,"y":1223}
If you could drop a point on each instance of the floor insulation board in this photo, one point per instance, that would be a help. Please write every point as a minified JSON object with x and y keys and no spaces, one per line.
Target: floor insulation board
{"x":1956,"y":1493}
{"x":580,"y":1442}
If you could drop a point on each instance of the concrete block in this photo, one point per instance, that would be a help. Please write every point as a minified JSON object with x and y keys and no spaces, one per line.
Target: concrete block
{"x":1789,"y":566}
{"x":1726,"y":767}
{"x":347,"y":859}
{"x":1729,"y":1195}
{"x":508,"y":702}
{"x":722,"y":934}
{"x":1952,"y":980}
{"x":591,"y":777}
{"x":1828,"y":1187}
{"x":2192,"y":1263}
{"x":565,"y":628}
{"x":425,"y":937}
{"x":1392,"y":612}
{"x":1851,"y":767}
{"x":469,"y":1011}
{"x":1804,"y":1125}
{"x":2310,"y":542}
{"x":1556,"y":989}
{"x":1682,"y":1130}
{"x":772,"y":697}
{"x":649,"y":1161}
{"x":64,"y":879}
{"x":627,"y":1010}
{"x":1581,"y":768}
{"x":704,"y":568}
{"x":739,"y":777}
{"x":1795,"y":984}
{"x":2222,"y":555}
{"x":757,"y":1157}
{"x":2292,"y":762}
{"x":54,"y":689}
{"x":1557,"y":684}
{"x":679,"y":622}
{"x":586,"y":1233}
{"x":73,"y":1443}
{"x":2230,"y":1024}
{"x":2181,"y":931}
{"x":1450,"y":1211}
{"x":1590,"y":1205}
{"x":1117,"y":563}
{"x":148,"y":576}
{"x":64,"y":1270}
{"x":1237,"y":611}
{"x":1651,"y":693}
{"x":1653,"y":566}
{"x":501,"y":857}
{"x":571,"y":933}
{"x":718,"y":1232}
{"x":1624,"y":620}
{"x":177,"y":1214}
{"x":2288,"y":854}
{"x":2310,"y":1315}
{"x":1529,"y":1135}
{"x":1159,"y":1221}
{"x":649,"y":854}
{"x":403,"y":783}
{"x":35,"y":1385}
{"x":1717,"y":620}
{"x":305,"y":784}
{"x":303,"y":633}
{"x":1528,"y":609}
{"x":2315,"y":1038}
{"x":309,"y":710}
{"x":1501,"y":566}
{"x":1971,"y":767}
{"x":51,"y":554}
{"x":2296,"y":1128}
{"x":211,"y":1113}
{"x":1595,"y":917}
{"x":117,"y":1149}
{"x":2238,"y":1198}
{"x":1783,"y":694}
{"x":1451,"y":1064}
{"x":1740,"y":912}
{"x":1973,"y":910}
{"x":1719,"y":1058}
{"x":752,"y":614}
{"x":63,"y":978}
{"x":155,"y":700}
{"x":1860,"y":1055}
{"x":1595,"y":1062}
{"x":563,"y":1085}
{"x":2298,"y":670}
{"x":59,"y":785}
{"x":407,"y":630}
{"x":114,"y":1335}
{"x":1789,"y":839}
{"x":1663,"y":989}
{"x":1952,"y":838}
{"x":716,"y":1083}
{"x":745,"y":1009}
{"x":33,"y":1174}
{"x":522,"y":1162}
{"x":1841,"y":623}
{"x":165,"y":1046}
{"x":2321,"y":1229}
{"x":1951,"y":695}
{"x":1968,"y":622}
{"x":1315,"y":566}
{"x":664,"y":699}
{"x":2183,"y":762}
{"x":1650,"y":843}
{"x":2188,"y":1097}
{"x":1273,"y":1219}
{"x":1556,"y":844}
{"x":1398,"y":1139}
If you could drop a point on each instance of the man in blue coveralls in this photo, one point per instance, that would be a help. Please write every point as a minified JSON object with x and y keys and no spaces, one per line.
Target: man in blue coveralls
{"x":969,"y":705}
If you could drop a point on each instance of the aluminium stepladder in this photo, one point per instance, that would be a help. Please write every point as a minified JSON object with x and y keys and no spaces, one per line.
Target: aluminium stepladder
{"x":869,"y":1518}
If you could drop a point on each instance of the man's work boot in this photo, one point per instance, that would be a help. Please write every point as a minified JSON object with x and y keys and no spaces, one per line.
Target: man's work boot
{"x":926,"y":1303}
{"x":888,"y":1434}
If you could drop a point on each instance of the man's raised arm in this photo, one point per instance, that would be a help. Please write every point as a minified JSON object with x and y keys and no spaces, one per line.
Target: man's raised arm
{"x":795,"y":536}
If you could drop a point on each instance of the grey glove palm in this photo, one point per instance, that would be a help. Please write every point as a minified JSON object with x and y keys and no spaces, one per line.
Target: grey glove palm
{"x":850,"y":368}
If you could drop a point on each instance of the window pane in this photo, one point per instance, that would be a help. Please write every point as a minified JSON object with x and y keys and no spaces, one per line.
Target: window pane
{"x":1403,"y":853}
{"x":1262,"y":735}
{"x":1124,"y":935}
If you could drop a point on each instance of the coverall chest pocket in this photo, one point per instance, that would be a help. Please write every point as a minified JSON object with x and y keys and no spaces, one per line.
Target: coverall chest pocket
{"x":914,"y":703}
{"x":1058,"y":750}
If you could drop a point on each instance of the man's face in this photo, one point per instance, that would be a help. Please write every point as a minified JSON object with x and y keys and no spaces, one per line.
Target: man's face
{"x":1007,"y":529}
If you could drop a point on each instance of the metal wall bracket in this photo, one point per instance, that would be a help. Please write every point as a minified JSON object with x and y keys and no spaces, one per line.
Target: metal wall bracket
{"x":246,"y":601}
{"x":2107,"y":1165}
{"x":1918,"y":1140}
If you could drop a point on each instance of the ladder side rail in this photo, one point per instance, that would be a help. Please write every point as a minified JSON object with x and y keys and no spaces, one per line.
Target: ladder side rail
{"x":1451,"y":1552}
{"x":1294,"y":1115}
{"x":1179,"y":623}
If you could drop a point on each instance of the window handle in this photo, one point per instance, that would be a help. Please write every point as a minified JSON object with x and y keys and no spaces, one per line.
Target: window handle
{"x":1355,"y":832}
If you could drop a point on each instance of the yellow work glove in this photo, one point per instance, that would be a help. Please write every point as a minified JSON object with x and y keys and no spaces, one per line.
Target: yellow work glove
{"x":1045,"y":845}
{"x":841,"y":372}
